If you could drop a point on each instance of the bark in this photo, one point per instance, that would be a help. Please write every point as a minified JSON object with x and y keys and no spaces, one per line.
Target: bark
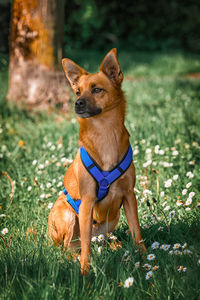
{"x":35,"y":77}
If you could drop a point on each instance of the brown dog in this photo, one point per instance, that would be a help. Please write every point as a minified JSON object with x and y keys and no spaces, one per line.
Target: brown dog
{"x":100,"y":110}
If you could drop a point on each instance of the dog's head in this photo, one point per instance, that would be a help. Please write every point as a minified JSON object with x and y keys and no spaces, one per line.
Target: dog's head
{"x":96,"y":93}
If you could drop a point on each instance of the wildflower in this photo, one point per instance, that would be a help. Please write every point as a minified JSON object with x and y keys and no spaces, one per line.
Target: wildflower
{"x":59,"y":184}
{"x":155,"y":268}
{"x":189,"y":201}
{"x":156,"y":149}
{"x":21,"y":143}
{"x":171,"y":252}
{"x":2,"y":215}
{"x":94,"y":239}
{"x":50,"y":205}
{"x":29,"y":188}
{"x":147,"y":266}
{"x":191,"y":194}
{"x":101,"y":237}
{"x":42,"y":196}
{"x":4,"y":231}
{"x":112,"y":237}
{"x":190,"y":174}
{"x":41,"y":166}
{"x":162,"y":194}
{"x":147,"y":163}
{"x":53,"y":147}
{"x":172,"y":214}
{"x":165,"y":247}
{"x":48,"y":185}
{"x":176,"y":246}
{"x":46,"y":162}
{"x":161,"y":152}
{"x":128,"y":282}
{"x":175,"y":177}
{"x":187,"y":209}
{"x":147,"y":192}
{"x":34,"y":162}
{"x":167,"y":207}
{"x":188,"y":185}
{"x":177,"y":252}
{"x":137,"y":264}
{"x":155,"y":245}
{"x":135,"y":152}
{"x":42,"y":186}
{"x":181,"y":269}
{"x":148,"y":275}
{"x":126,"y":253}
{"x":179,"y":203}
{"x":99,"y":249}
{"x":168,"y":183}
{"x":175,"y":153}
{"x":151,"y":257}
{"x":184,"y":245}
{"x":184,"y":192}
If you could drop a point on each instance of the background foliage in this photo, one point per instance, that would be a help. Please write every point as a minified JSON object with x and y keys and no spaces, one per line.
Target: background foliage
{"x":138,"y":25}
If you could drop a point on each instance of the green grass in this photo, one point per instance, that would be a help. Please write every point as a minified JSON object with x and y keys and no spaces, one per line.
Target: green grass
{"x":162,"y":110}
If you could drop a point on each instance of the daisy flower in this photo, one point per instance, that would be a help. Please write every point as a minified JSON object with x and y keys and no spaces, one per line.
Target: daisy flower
{"x":162,"y":194}
{"x":34,"y":162}
{"x":155,"y":245}
{"x":4,"y":231}
{"x":184,"y":191}
{"x":137,"y":264}
{"x":181,"y":269}
{"x":189,"y":201}
{"x":179,"y":203}
{"x":177,"y":246}
{"x":148,"y":275}
{"x":50,"y":205}
{"x":175,"y":177}
{"x":191,"y":194}
{"x":29,"y":188}
{"x":151,"y":257}
{"x":128,"y":282}
{"x":101,"y":237}
{"x":189,"y":174}
{"x":147,"y":266}
{"x":165,"y":247}
{"x":168,"y":183}
{"x":94,"y":239}
{"x":188,"y":185}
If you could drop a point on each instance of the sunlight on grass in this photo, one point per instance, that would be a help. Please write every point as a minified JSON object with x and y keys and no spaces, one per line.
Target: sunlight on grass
{"x":163,"y":119}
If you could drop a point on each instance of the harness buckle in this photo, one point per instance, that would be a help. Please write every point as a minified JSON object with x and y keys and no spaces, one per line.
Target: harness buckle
{"x":104,"y":184}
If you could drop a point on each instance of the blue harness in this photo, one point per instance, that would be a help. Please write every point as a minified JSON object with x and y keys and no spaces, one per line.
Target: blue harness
{"x":103,"y":178}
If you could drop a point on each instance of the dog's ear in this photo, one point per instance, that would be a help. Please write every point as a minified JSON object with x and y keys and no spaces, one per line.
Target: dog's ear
{"x":111,"y":67}
{"x":72,"y":71}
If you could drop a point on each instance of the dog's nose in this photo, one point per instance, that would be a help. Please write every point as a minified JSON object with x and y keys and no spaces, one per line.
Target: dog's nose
{"x":80,"y":103}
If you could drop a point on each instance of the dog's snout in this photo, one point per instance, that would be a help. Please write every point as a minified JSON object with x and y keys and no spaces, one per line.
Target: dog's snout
{"x":80,"y":103}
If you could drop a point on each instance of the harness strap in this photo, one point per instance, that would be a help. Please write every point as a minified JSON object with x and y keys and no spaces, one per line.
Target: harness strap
{"x":104,"y":179}
{"x":75,"y":204}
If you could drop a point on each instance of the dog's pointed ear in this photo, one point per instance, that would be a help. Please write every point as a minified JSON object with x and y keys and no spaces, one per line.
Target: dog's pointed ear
{"x":72,"y":71}
{"x":111,"y":67}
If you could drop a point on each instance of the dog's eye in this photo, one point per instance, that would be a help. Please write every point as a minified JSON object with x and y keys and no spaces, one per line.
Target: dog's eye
{"x":78,"y":93}
{"x":96,"y":90}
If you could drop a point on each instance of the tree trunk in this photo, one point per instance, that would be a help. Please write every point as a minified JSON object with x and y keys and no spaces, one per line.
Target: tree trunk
{"x":35,"y":79}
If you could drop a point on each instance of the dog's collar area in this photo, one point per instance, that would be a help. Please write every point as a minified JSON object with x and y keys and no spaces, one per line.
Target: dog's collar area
{"x":103,"y":178}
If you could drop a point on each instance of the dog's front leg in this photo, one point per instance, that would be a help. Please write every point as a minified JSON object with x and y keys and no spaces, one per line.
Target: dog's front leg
{"x":85,"y":223}
{"x":131,"y":212}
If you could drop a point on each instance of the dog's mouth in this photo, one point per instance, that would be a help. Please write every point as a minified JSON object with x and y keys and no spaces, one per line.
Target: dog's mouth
{"x":88,"y":114}
{"x":86,"y":110}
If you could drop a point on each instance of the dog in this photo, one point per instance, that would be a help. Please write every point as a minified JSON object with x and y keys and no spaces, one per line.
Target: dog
{"x":101,"y":178}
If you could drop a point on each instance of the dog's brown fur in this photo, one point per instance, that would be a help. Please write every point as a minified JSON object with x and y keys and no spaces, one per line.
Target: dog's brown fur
{"x":106,"y":139}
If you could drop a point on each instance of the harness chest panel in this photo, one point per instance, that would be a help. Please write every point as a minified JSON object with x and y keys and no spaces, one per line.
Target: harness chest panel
{"x":103,"y":178}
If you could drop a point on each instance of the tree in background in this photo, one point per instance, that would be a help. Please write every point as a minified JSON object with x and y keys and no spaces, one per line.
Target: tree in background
{"x":36,"y":40}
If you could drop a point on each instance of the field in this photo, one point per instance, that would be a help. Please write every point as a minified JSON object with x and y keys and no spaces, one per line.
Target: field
{"x":163,"y":118}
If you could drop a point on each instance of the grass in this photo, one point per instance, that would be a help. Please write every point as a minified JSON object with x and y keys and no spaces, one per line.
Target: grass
{"x":162,"y":110}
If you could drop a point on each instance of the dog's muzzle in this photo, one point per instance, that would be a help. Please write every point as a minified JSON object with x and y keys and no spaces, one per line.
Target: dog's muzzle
{"x":85,"y":109}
